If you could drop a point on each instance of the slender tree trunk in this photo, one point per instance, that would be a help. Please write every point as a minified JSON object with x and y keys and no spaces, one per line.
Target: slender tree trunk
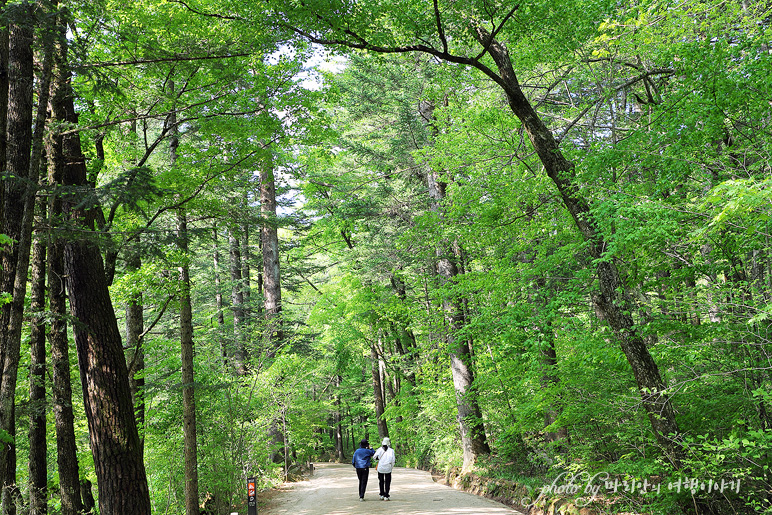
{"x":337,"y":415}
{"x":3,"y":115}
{"x":246,"y":272}
{"x":614,"y":302}
{"x":186,"y":344}
{"x":3,"y":100}
{"x":237,"y":302}
{"x":113,"y":435}
{"x":134,"y":328}
{"x":17,"y":223}
{"x":404,"y":337}
{"x":470,"y":421}
{"x":188,"y":380}
{"x":217,"y":282}
{"x":549,"y":379}
{"x":61,"y":390}
{"x":383,"y":430}
{"x":260,"y":294}
{"x":269,"y":236}
{"x":38,"y":450}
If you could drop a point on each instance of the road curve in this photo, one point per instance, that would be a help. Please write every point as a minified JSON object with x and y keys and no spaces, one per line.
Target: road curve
{"x":333,"y":491}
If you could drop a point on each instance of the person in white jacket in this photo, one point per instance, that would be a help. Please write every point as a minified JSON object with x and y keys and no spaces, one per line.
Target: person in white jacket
{"x":386,"y":458}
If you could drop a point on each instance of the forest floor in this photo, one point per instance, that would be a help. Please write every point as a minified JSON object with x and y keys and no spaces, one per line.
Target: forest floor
{"x":333,"y":491}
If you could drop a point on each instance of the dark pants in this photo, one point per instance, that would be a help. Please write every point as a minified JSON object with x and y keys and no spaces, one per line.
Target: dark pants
{"x":362,"y":474}
{"x":384,"y":484}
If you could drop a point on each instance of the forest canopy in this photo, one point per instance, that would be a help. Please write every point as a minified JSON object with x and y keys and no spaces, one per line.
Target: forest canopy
{"x":521,"y":240}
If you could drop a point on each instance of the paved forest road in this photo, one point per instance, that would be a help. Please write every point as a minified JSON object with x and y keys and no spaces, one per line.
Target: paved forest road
{"x":333,"y":491}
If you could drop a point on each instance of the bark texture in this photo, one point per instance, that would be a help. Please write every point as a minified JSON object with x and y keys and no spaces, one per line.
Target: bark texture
{"x":38,"y":449}
{"x":217,"y":281}
{"x":188,"y":380}
{"x":269,"y":237}
{"x":237,"y":353}
{"x":470,"y":421}
{"x":134,"y":328}
{"x":61,"y":389}
{"x":186,"y":344}
{"x":383,"y":429}
{"x":115,"y":445}
{"x":18,"y":205}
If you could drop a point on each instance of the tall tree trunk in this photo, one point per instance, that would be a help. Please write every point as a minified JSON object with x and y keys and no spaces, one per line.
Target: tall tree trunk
{"x":404,"y":337}
{"x":186,"y":344}
{"x":383,"y":430}
{"x":260,"y":305}
{"x":3,"y":107}
{"x":217,"y":282}
{"x":61,"y":389}
{"x":120,"y":470}
{"x":470,"y":421}
{"x":17,"y":223}
{"x":38,"y":450}
{"x":337,"y":415}
{"x":188,"y":380}
{"x":246,"y":272}
{"x":269,"y":236}
{"x":237,"y":304}
{"x":614,"y":302}
{"x":134,"y":328}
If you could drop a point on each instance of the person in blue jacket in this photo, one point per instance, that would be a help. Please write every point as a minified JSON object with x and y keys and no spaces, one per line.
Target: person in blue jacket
{"x":361,"y":462}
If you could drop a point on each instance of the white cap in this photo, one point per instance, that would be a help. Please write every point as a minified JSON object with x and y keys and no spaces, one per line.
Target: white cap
{"x":386,"y":441}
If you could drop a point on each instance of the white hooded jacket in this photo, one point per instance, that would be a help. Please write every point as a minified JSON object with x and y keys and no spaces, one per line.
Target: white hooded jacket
{"x":385,"y":459}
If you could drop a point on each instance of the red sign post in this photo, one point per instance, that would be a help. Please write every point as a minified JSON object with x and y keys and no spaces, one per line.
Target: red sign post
{"x":251,"y":496}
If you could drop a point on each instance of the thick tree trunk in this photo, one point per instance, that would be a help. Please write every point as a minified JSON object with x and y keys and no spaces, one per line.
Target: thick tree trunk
{"x":613,"y":302}
{"x":120,"y":470}
{"x":383,"y":429}
{"x":269,"y":237}
{"x":17,"y":223}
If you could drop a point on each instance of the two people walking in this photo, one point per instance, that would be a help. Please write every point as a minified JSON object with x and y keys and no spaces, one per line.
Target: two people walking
{"x":362,"y":461}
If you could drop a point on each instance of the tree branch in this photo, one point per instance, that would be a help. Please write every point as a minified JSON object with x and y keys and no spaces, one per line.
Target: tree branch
{"x":209,"y":15}
{"x":175,"y":59}
{"x":440,"y":30}
{"x":495,"y":32}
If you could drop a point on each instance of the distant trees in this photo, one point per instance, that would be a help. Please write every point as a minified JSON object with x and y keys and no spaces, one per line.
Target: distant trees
{"x":521,"y":239}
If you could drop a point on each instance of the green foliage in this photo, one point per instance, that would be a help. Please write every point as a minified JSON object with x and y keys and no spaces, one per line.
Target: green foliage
{"x":664,"y":111}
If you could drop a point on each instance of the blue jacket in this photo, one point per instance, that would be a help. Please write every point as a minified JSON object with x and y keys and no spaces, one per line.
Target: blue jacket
{"x":361,"y":458}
